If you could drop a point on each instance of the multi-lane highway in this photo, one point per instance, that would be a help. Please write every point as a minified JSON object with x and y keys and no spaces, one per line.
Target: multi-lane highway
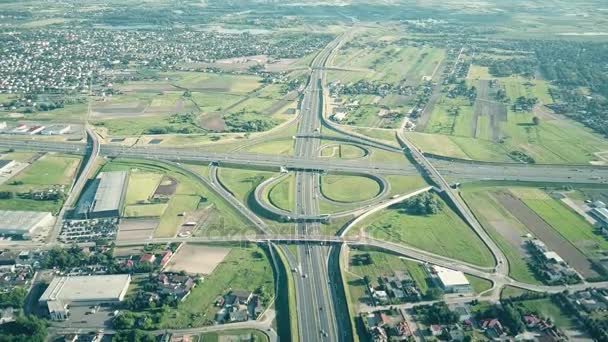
{"x":318,"y":322}
{"x":456,"y":171}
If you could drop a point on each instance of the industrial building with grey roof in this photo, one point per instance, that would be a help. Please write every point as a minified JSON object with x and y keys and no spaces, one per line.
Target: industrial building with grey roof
{"x":105,"y":195}
{"x":23,"y":224}
{"x":64,"y":292}
{"x":87,"y":290}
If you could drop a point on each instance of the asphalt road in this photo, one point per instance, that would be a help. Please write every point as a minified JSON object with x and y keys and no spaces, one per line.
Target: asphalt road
{"x":458,"y":171}
{"x":502,"y":266}
{"x":317,"y":318}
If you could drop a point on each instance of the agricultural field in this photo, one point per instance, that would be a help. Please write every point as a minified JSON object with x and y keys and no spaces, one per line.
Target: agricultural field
{"x":244,"y":268}
{"x":187,"y":195}
{"x":349,"y":189}
{"x":493,"y":129}
{"x":503,"y":227}
{"x":443,"y":233}
{"x":387,"y":63}
{"x":197,"y":259}
{"x":189,"y":102}
{"x":552,"y":141}
{"x":49,"y":172}
{"x":374,"y":116}
{"x":513,"y":212}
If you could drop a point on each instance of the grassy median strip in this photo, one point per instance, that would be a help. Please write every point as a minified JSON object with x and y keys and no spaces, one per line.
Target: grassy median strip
{"x":349,"y":302}
{"x":291,"y":297}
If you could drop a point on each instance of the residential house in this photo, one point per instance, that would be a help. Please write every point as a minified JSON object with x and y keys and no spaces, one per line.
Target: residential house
{"x":493,"y":328}
{"x":379,"y":334}
{"x":435,"y":329}
{"x":178,"y":286}
{"x":147,"y":258}
{"x":166,"y":256}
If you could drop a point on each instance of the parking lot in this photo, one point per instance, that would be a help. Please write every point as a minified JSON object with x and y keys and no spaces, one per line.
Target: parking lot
{"x":81,"y":317}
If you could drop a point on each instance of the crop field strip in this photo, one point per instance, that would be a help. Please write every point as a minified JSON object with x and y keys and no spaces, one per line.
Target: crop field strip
{"x":492,"y":112}
{"x":547,"y":234}
{"x":503,"y":227}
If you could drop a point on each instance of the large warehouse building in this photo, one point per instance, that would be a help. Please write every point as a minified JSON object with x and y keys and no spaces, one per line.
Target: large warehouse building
{"x":451,"y":281}
{"x":83,"y":291}
{"x":105,"y":196}
{"x":23,"y":224}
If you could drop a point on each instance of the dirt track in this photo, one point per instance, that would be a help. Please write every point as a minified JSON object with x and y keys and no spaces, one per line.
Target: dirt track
{"x":543,"y":231}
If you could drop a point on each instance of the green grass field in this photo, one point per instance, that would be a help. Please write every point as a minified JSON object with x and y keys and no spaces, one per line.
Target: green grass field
{"x":384,"y":264}
{"x":386,"y":136}
{"x":49,"y":171}
{"x":141,"y":186}
{"x":274,"y":147}
{"x":386,"y":157}
{"x":254,"y":104}
{"x":145,"y":210}
{"x":242,"y":182}
{"x":390,"y":64}
{"x":443,"y":233}
{"x":342,"y":151}
{"x":401,"y":185}
{"x":211,"y":102}
{"x":291,"y":296}
{"x":242,"y":269}
{"x":554,"y":140}
{"x":566,"y":222}
{"x":492,"y":214}
{"x":241,"y":335}
{"x":282,"y":194}
{"x":479,"y":285}
{"x":19,"y":156}
{"x":511,"y":292}
{"x":547,"y":309}
{"x":349,"y":189}
{"x":214,"y":82}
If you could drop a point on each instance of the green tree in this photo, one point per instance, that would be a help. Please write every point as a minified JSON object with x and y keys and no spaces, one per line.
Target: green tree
{"x":24,"y":329}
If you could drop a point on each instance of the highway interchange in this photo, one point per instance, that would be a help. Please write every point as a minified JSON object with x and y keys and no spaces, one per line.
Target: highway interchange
{"x":321,"y":309}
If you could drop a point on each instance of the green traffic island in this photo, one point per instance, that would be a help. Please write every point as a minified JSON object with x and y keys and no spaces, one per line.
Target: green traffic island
{"x":350,"y":188}
{"x":343,"y":151}
{"x":427,"y":222}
